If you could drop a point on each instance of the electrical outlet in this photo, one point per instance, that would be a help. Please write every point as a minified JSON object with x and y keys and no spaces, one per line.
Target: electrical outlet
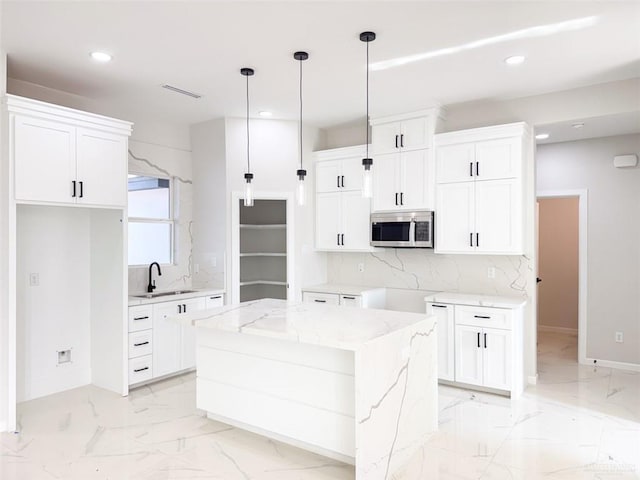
{"x":34,"y":279}
{"x":619,"y":337}
{"x":64,"y":356}
{"x":361,"y":267}
{"x":196,"y":268}
{"x":491,"y":272}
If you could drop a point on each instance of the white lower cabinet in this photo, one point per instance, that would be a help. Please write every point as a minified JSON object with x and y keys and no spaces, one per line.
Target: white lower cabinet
{"x":445,"y":325}
{"x":346,"y":297}
{"x":159,"y":346}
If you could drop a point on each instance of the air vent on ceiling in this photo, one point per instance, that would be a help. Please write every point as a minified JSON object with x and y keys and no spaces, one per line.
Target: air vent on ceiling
{"x":179,"y":90}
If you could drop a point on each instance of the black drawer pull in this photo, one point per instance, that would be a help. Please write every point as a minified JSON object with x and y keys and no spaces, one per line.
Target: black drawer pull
{"x":482,"y":316}
{"x":136,"y":370}
{"x":439,"y":306}
{"x":396,"y":198}
{"x":140,"y":318}
{"x":320,"y":301}
{"x":217,"y":296}
{"x":140,"y":344}
{"x":348,"y":298}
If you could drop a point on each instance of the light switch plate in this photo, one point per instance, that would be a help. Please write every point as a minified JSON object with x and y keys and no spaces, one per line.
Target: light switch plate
{"x":34,"y":279}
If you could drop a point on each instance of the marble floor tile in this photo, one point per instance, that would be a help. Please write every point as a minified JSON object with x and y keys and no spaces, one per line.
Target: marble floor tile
{"x":578,"y":422}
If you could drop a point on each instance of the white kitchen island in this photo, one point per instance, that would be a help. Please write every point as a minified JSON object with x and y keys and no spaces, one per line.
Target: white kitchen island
{"x":353,"y":384}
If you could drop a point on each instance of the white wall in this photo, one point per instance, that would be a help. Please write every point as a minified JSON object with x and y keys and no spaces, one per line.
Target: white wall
{"x":53,"y":242}
{"x":613,"y":302}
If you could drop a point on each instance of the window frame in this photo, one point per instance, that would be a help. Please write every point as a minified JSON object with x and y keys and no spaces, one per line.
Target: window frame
{"x":171,"y":221}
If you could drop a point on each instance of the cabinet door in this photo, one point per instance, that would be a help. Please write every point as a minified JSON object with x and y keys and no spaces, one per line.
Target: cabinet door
{"x":414,"y":134}
{"x":328,"y":176}
{"x":468,"y":355}
{"x":189,"y":333}
{"x":444,"y":315}
{"x":214,"y":301}
{"x":356,"y":221}
{"x":45,"y":164}
{"x":351,"y":174}
{"x":386,"y":179}
{"x":327,"y":221}
{"x":498,"y":216}
{"x":499,"y":159}
{"x":351,"y":300}
{"x":413,"y":180}
{"x":385,"y":138}
{"x":101,"y":168}
{"x":496,"y":347}
{"x":167,"y":339}
{"x":455,"y":163}
{"x":321,"y":298}
{"x":454,"y":217}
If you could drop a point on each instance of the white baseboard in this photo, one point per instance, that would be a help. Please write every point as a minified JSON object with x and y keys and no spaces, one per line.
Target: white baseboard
{"x":532,"y":379}
{"x":634,"y":367}
{"x":549,"y":328}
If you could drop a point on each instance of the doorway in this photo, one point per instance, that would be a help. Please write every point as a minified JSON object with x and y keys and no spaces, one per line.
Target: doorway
{"x":562,"y":269}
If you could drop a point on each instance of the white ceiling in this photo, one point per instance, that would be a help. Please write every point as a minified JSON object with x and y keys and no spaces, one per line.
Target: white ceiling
{"x":200,"y":46}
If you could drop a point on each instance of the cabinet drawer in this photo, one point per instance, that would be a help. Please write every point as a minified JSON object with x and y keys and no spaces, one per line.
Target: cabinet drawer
{"x":213,"y":301}
{"x":483,"y":317}
{"x":140,"y":369}
{"x":140,"y":343}
{"x":351,"y":300}
{"x":140,"y":318}
{"x":322,"y":298}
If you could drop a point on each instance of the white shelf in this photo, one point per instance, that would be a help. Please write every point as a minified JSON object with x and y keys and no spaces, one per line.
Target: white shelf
{"x":271,"y":226}
{"x":263,"y":254}
{"x":262,"y":282}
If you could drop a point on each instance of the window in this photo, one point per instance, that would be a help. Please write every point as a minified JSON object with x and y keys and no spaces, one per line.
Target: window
{"x":151,"y":222}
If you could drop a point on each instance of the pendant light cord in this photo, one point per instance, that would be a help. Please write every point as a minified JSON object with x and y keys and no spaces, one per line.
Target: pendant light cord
{"x":301,"y":114}
{"x":366,"y":120}
{"x":248,"y":161}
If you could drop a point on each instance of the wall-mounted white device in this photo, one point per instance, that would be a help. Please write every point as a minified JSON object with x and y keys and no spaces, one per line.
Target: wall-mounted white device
{"x":625,"y":161}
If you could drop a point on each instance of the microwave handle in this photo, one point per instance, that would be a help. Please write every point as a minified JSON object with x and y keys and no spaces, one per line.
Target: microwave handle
{"x":412,"y":232}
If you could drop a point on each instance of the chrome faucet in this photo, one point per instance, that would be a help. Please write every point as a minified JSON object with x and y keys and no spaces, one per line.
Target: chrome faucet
{"x":152,"y":283}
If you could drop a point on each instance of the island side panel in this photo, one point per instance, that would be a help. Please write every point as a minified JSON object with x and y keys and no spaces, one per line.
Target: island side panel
{"x":396,"y":399}
{"x":297,"y":393}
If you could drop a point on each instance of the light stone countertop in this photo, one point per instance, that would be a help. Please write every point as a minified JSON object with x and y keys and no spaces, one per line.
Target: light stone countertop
{"x":193,"y":293}
{"x":476,"y":300}
{"x":340,"y":288}
{"x":347,"y":328}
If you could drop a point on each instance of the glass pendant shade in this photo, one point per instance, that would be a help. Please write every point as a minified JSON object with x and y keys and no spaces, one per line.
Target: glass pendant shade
{"x":367,"y":162}
{"x":301,"y":191}
{"x":248,"y":190}
{"x":367,"y":183}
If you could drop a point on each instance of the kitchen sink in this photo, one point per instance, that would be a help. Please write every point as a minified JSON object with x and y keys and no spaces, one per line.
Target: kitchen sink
{"x":164,"y":294}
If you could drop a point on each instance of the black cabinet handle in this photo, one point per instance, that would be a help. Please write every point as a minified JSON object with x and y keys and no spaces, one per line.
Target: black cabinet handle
{"x":477,"y":169}
{"x":338,"y":181}
{"x":342,"y":237}
{"x":140,"y":318}
{"x":140,"y":344}
{"x":471,"y":169}
{"x":338,"y":239}
{"x":81,"y":189}
{"x":396,"y":198}
{"x":485,"y":340}
{"x":471,"y":239}
{"x":217,"y":296}
{"x":402,"y":140}
{"x":477,"y":239}
{"x":73,"y":186}
{"x":396,"y":141}
{"x":478,"y":339}
{"x":136,"y":370}
{"x":485,"y":317}
{"x":184,"y":307}
{"x":401,"y":198}
{"x":342,"y":182}
{"x":348,"y":298}
{"x":439,"y":306}
{"x":179,"y":308}
{"x":320,"y":301}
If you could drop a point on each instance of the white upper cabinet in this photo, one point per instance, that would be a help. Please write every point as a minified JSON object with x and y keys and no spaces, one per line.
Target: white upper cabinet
{"x":342,"y":214}
{"x":480,"y":189}
{"x":402,"y":132}
{"x":65,"y":156}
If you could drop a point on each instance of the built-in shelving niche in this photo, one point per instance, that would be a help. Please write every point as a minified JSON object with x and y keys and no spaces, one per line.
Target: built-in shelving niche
{"x":263,"y":250}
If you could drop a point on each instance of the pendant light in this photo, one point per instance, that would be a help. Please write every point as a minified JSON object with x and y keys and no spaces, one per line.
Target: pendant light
{"x":301,"y":193}
{"x":248,"y":188}
{"x":367,"y":163}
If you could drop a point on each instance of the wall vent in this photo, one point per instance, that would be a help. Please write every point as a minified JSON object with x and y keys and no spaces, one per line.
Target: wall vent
{"x":183,"y":92}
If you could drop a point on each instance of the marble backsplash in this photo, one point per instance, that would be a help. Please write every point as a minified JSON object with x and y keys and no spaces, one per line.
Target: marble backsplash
{"x":422,"y":269}
{"x":168,"y":162}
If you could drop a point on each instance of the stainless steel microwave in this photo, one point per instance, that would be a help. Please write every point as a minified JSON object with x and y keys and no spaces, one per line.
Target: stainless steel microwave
{"x":402,"y":229}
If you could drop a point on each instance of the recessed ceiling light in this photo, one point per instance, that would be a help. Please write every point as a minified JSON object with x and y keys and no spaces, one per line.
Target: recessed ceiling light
{"x":542,"y":136}
{"x":101,"y":56}
{"x":264,"y":113}
{"x":578,"y":125}
{"x":514,"y":60}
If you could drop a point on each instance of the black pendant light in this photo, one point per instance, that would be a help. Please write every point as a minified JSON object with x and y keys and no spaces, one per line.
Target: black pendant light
{"x":367,"y":162}
{"x":248,"y":188}
{"x":301,"y":172}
